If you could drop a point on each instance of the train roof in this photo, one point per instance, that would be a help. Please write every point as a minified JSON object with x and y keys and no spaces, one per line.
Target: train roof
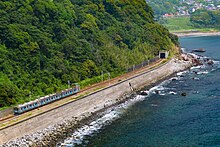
{"x":34,"y":101}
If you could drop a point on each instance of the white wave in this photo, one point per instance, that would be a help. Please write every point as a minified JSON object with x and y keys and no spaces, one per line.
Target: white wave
{"x":197,"y":67}
{"x":162,"y":94}
{"x":183,"y":50}
{"x":87,"y":130}
{"x":181,"y":73}
{"x":194,"y":55}
{"x":109,"y":116}
{"x":165,"y":82}
{"x":216,"y":62}
{"x":156,"y":89}
{"x":154,"y":105}
{"x":195,"y":78}
{"x":174,"y":78}
{"x":202,"y":72}
{"x":172,"y":92}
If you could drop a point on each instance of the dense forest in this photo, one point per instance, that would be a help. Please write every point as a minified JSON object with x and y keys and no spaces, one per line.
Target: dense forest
{"x":45,"y":43}
{"x":206,"y":18}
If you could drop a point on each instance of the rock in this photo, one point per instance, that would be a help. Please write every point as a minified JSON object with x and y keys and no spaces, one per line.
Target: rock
{"x":210,"y":62}
{"x":183,"y":94}
{"x":157,"y":91}
{"x":146,"y":92}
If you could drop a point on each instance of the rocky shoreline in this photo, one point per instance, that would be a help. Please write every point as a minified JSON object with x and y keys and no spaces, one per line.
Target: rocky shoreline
{"x":53,"y":134}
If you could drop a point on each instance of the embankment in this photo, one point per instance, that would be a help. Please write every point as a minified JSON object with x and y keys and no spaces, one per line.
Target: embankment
{"x":55,"y":120}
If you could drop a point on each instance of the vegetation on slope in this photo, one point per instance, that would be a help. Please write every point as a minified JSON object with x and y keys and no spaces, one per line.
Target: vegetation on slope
{"x":184,"y":24}
{"x":175,"y":24}
{"x":205,"y":18}
{"x":45,"y":43}
{"x":201,"y":20}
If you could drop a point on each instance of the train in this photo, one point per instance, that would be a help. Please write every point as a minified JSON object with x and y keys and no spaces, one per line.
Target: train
{"x":46,"y":100}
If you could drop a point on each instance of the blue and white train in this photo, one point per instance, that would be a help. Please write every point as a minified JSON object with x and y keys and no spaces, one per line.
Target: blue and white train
{"x":46,"y":99}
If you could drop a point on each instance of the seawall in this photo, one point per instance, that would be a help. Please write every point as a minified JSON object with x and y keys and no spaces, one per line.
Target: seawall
{"x":92,"y":102}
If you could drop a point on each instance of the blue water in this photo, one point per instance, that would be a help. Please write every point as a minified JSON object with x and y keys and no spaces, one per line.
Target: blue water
{"x":169,"y":119}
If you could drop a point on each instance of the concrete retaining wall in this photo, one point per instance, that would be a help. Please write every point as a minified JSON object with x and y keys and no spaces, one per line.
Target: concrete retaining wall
{"x":90,"y":103}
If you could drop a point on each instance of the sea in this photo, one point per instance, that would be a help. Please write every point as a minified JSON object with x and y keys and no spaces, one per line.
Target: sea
{"x":166,"y":117}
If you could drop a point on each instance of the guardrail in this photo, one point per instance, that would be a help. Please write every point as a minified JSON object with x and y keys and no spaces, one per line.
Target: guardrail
{"x":138,"y":66}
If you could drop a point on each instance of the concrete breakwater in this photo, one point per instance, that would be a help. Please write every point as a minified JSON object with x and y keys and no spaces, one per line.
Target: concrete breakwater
{"x":43,"y":129}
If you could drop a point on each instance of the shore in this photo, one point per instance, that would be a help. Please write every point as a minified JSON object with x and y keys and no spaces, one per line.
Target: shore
{"x":195,"y":34}
{"x":88,"y":109}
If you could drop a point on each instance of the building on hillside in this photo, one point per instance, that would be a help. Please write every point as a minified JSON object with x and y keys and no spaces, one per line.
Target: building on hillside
{"x":168,"y":15}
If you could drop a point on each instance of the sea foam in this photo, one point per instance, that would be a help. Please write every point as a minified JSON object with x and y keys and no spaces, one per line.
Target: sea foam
{"x":109,"y":116}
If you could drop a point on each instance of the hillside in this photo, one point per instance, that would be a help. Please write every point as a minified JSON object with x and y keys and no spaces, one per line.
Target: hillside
{"x":187,"y":15}
{"x":45,"y":43}
{"x":182,"y":7}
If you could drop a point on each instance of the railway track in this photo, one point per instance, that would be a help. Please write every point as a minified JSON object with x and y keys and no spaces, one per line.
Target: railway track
{"x":11,"y":119}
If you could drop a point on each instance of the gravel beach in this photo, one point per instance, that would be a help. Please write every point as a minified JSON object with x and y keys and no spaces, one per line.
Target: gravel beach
{"x":188,"y":34}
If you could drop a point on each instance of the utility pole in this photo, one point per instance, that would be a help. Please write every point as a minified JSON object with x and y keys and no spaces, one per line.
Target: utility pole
{"x":30,"y":96}
{"x":102,"y":76}
{"x":68,"y":83}
{"x":109,"y":76}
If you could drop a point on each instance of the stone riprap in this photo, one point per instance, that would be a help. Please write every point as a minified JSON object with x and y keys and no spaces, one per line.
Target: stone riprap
{"x":47,"y":127}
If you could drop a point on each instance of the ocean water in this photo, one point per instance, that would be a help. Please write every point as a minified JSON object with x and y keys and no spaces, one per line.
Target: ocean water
{"x":167,"y":118}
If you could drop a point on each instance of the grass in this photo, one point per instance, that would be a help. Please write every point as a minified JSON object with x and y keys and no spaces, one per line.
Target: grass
{"x":177,"y":23}
{"x":182,"y":24}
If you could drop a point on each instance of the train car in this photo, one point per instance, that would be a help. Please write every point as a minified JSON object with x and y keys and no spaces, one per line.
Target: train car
{"x":46,"y":99}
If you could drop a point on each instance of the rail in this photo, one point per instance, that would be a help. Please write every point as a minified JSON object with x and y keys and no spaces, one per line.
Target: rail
{"x":82,"y":97}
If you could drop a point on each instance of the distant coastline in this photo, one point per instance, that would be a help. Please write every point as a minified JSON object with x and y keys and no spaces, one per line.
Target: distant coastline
{"x":191,"y":33}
